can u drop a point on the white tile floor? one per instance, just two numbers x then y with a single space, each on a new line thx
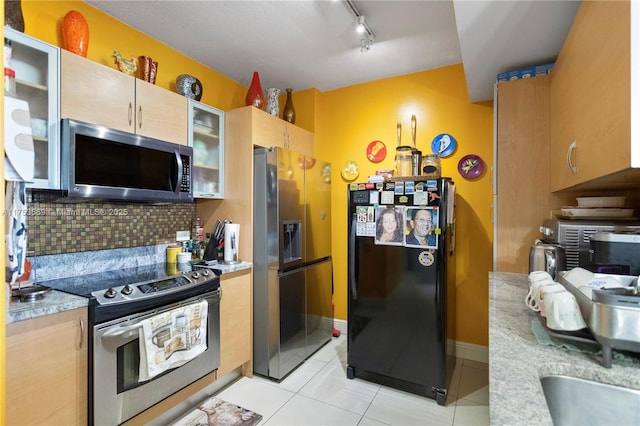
319 393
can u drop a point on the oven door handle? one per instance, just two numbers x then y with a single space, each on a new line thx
123 332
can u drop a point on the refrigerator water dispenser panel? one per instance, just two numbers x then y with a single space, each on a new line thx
291 241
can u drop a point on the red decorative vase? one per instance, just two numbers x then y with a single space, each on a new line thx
289 112
75 33
255 96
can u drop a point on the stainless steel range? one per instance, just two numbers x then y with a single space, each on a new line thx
147 335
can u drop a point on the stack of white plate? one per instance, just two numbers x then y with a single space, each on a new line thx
598 207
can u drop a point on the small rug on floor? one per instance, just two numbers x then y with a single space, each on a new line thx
217 412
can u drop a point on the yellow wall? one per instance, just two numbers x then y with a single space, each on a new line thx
3 253
43 20
344 121
349 119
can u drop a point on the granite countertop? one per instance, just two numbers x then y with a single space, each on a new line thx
222 268
517 360
58 301
52 303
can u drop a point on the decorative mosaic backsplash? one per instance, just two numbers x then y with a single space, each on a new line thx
56 228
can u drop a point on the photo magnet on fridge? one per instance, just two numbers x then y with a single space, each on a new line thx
420 223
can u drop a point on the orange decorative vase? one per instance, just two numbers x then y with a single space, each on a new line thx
75 33
255 96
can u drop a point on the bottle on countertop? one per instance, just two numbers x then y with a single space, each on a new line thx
197 230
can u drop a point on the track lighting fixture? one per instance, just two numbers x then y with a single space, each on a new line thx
366 33
360 27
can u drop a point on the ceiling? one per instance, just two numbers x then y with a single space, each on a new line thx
306 44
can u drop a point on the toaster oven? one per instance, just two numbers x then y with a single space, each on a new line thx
574 235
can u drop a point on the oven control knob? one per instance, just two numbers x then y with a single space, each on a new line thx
205 273
126 290
110 293
195 275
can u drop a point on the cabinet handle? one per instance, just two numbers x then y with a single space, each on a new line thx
130 114
570 164
81 332
140 117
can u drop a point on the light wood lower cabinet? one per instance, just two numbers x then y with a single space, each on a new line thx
236 322
46 360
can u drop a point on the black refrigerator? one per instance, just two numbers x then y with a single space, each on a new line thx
400 236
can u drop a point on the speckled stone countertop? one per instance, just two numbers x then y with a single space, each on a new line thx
53 302
517 360
227 269
75 264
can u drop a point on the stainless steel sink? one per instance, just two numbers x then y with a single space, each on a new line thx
581 402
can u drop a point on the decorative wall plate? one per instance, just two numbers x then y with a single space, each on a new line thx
350 171
443 145
470 166
376 151
326 173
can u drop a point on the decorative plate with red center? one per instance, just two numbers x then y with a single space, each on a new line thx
376 151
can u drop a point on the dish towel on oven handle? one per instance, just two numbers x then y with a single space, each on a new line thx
171 339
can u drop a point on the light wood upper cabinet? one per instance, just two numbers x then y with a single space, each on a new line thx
590 97
273 131
236 322
47 363
300 140
523 199
101 95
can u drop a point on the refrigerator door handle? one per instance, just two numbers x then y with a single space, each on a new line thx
352 257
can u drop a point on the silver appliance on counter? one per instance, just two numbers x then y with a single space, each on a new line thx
574 236
292 268
616 253
119 301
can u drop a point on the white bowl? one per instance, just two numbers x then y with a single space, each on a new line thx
601 201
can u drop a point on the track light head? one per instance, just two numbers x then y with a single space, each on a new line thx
361 27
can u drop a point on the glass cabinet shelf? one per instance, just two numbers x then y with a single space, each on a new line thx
206 137
36 65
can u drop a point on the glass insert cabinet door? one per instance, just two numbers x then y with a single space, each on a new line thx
36 65
206 137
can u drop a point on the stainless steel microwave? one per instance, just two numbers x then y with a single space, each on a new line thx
109 164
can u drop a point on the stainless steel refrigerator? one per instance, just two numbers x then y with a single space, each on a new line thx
292 269
399 242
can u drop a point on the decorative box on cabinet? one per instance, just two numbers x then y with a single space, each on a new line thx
101 95
590 98
206 137
47 370
36 66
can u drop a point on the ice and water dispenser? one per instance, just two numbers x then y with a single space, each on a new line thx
291 241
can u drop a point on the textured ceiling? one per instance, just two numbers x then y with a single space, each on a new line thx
312 44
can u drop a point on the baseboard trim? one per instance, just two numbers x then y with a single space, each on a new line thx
468 351
464 350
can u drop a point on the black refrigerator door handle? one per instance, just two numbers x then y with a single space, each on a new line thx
352 257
